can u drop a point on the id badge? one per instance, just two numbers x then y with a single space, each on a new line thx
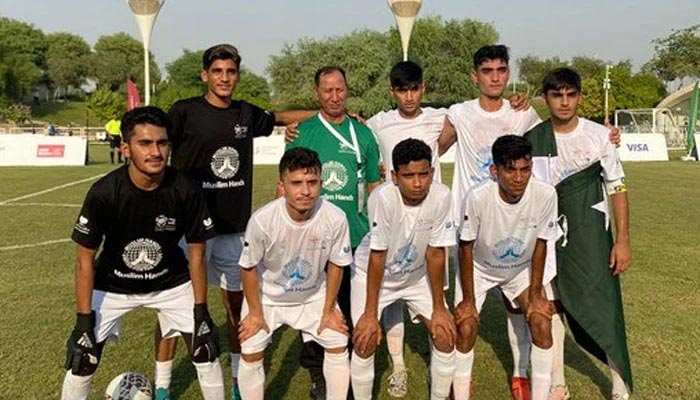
360 192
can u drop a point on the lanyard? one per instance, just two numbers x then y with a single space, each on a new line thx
354 146
356 149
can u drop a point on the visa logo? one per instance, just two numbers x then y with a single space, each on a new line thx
638 147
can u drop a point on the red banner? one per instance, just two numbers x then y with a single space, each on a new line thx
133 99
50 150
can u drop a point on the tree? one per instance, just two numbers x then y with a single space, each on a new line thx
443 48
67 60
16 113
118 57
18 75
533 69
677 56
104 102
185 70
22 38
629 90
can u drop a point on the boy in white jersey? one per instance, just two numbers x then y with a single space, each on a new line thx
503 243
574 154
288 245
402 259
477 124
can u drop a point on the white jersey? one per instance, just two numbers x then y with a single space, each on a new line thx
405 232
583 147
476 131
505 234
390 128
291 256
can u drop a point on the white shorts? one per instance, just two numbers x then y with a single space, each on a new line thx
417 298
223 253
511 288
303 317
174 307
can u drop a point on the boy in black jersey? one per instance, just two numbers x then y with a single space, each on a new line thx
212 140
141 263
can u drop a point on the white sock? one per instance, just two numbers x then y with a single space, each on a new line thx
558 336
163 374
235 360
541 372
362 376
618 384
251 380
76 387
463 374
442 369
394 327
519 338
336 371
211 379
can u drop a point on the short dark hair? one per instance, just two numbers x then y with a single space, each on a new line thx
406 75
328 69
299 158
491 52
510 148
561 78
144 115
220 52
410 150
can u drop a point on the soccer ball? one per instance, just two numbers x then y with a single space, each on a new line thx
129 386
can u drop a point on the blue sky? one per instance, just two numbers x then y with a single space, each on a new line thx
611 30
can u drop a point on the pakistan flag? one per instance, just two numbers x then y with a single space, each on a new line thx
589 291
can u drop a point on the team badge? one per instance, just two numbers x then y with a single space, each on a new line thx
225 162
296 273
142 255
240 132
164 223
334 176
510 249
403 259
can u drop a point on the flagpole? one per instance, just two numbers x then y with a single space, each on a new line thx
145 12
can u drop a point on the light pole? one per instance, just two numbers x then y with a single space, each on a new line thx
405 12
606 87
146 12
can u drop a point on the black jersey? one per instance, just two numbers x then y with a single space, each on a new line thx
215 147
141 231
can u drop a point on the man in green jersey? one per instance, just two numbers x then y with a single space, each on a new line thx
350 159
114 135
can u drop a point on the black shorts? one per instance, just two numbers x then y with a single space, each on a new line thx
114 141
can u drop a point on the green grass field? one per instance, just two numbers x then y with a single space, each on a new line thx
36 298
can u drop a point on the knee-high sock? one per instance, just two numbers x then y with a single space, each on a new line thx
558 336
362 376
463 374
442 370
76 387
336 371
163 374
251 380
541 372
618 384
394 327
519 338
211 379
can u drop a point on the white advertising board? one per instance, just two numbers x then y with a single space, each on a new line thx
268 150
40 150
643 147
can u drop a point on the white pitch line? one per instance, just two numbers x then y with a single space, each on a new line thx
65 185
25 246
40 205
